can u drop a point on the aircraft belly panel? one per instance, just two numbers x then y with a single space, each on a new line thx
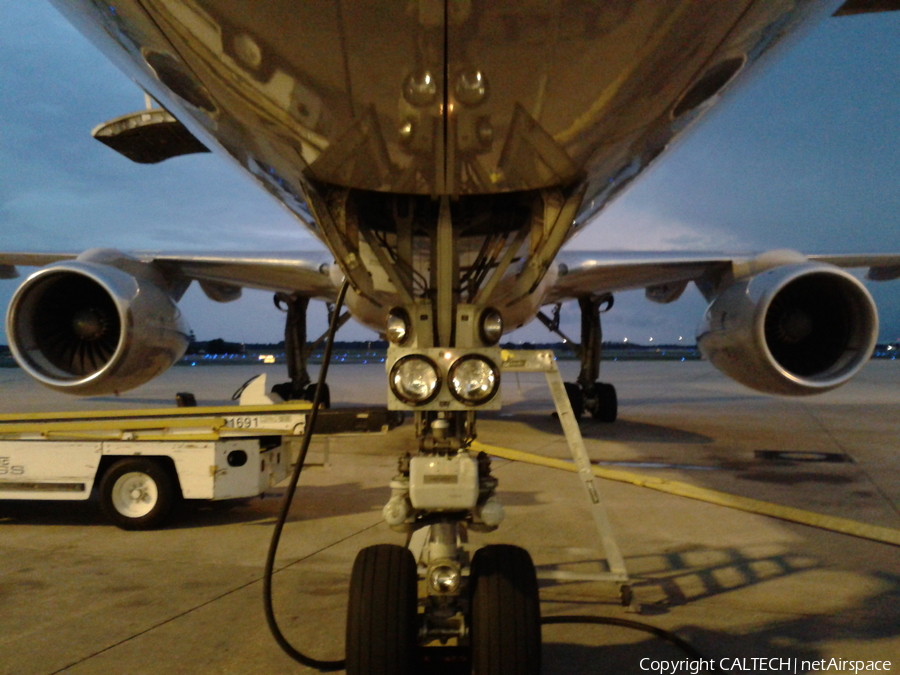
439 98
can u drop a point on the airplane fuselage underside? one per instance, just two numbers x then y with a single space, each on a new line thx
360 116
444 151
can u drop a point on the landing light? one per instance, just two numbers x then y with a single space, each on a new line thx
415 379
474 380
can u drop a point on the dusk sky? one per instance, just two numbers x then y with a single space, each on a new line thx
805 156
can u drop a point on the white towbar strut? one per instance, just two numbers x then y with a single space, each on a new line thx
544 361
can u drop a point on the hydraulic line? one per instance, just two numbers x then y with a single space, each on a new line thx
289 649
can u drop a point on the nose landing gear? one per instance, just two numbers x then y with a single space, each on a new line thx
480 617
486 614
492 615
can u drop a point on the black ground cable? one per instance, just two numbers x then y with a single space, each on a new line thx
290 650
668 636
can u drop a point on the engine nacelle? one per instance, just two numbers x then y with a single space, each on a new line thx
90 329
795 329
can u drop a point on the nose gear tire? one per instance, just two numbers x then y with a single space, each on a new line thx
382 621
505 612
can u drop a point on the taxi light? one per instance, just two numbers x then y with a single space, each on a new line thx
397 328
443 579
491 326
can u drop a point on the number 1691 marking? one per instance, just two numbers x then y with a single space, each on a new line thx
243 422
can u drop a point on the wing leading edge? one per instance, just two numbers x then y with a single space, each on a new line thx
584 273
307 274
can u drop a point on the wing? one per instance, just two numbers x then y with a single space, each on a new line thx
8 261
664 275
867 7
303 273
218 273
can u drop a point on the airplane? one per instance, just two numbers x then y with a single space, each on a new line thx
444 152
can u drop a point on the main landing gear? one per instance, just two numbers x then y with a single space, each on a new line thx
587 394
297 351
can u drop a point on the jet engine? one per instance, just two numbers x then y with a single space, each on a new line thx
794 329
85 328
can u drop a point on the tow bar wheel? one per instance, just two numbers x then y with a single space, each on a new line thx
382 617
506 612
136 493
